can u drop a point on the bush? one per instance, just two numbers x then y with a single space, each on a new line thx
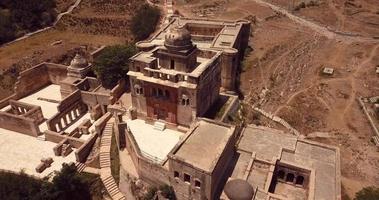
167 192
144 21
367 193
150 193
20 16
113 64
66 185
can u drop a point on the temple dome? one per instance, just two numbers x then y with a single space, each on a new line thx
178 38
78 62
238 189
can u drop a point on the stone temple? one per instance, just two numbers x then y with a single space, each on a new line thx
162 123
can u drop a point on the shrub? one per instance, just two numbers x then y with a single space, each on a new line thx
367 193
144 21
20 16
113 64
66 185
167 192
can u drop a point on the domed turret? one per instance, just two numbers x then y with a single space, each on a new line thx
78 62
178 38
238 189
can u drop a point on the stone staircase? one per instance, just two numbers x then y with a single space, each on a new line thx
161 126
105 163
80 166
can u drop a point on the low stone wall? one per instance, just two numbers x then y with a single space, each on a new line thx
26 84
100 123
82 153
26 110
147 170
119 89
231 109
69 111
19 124
83 148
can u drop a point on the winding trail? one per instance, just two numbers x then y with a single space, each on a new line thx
344 37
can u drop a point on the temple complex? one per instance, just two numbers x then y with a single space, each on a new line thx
158 122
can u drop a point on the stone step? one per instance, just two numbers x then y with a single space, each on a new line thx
107 180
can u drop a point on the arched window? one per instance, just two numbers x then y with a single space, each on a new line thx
138 89
290 177
299 180
185 100
281 174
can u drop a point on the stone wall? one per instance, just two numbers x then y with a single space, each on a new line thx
26 84
19 124
209 86
82 152
83 148
26 110
119 89
147 170
69 111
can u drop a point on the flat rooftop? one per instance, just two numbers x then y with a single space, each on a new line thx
154 144
22 152
205 144
225 39
270 145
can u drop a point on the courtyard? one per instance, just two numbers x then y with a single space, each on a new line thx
154 144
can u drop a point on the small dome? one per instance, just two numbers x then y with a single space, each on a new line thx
79 62
238 189
178 38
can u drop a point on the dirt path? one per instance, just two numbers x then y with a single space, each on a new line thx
322 30
353 94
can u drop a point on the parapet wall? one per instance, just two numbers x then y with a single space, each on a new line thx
19 124
69 111
27 110
83 148
147 170
26 84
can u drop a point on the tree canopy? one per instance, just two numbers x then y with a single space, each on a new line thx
67 184
112 64
20 16
144 21
367 193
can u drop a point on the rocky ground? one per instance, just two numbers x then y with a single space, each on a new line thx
284 72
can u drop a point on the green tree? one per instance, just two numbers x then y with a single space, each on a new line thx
113 64
67 184
6 28
144 21
367 193
20 16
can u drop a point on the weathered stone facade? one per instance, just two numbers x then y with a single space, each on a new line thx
176 82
